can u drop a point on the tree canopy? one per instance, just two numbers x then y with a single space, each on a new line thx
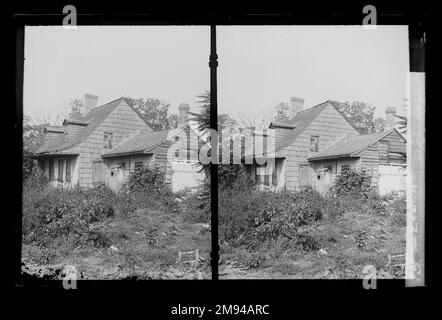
154 112
361 116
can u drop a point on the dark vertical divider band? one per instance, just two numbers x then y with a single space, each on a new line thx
19 74
213 63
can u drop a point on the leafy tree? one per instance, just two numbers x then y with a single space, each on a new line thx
202 118
75 107
33 137
282 112
361 116
33 134
154 112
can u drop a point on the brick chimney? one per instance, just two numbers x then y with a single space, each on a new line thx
296 105
89 102
390 115
184 116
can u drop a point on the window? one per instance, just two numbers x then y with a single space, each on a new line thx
177 138
107 143
42 166
68 170
274 177
314 143
112 173
345 167
51 170
138 165
266 179
60 171
177 153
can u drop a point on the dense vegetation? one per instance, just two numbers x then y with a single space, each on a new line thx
58 220
256 222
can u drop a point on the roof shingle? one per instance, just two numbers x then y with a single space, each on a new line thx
142 142
93 118
350 146
300 121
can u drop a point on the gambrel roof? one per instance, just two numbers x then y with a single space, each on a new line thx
352 146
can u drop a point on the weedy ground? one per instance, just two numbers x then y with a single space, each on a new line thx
144 244
348 235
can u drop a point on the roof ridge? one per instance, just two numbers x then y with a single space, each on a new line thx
314 106
103 105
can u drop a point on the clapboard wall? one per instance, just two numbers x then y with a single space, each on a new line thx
330 126
123 123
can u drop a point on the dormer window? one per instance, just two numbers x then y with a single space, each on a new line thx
314 143
107 143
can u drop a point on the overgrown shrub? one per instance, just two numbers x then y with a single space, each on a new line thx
145 188
351 182
233 176
252 217
396 208
50 212
197 206
28 164
144 178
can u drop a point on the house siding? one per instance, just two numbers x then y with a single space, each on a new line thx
164 153
330 126
124 124
370 157
335 166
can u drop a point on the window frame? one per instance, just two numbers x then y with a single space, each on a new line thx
314 146
60 170
51 174
68 170
108 140
345 167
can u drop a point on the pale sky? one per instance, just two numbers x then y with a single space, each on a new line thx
260 66
169 63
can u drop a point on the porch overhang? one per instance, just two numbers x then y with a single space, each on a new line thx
54 155
125 154
335 157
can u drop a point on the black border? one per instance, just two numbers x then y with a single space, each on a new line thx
168 293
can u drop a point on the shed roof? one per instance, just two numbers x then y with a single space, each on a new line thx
93 118
351 146
142 143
